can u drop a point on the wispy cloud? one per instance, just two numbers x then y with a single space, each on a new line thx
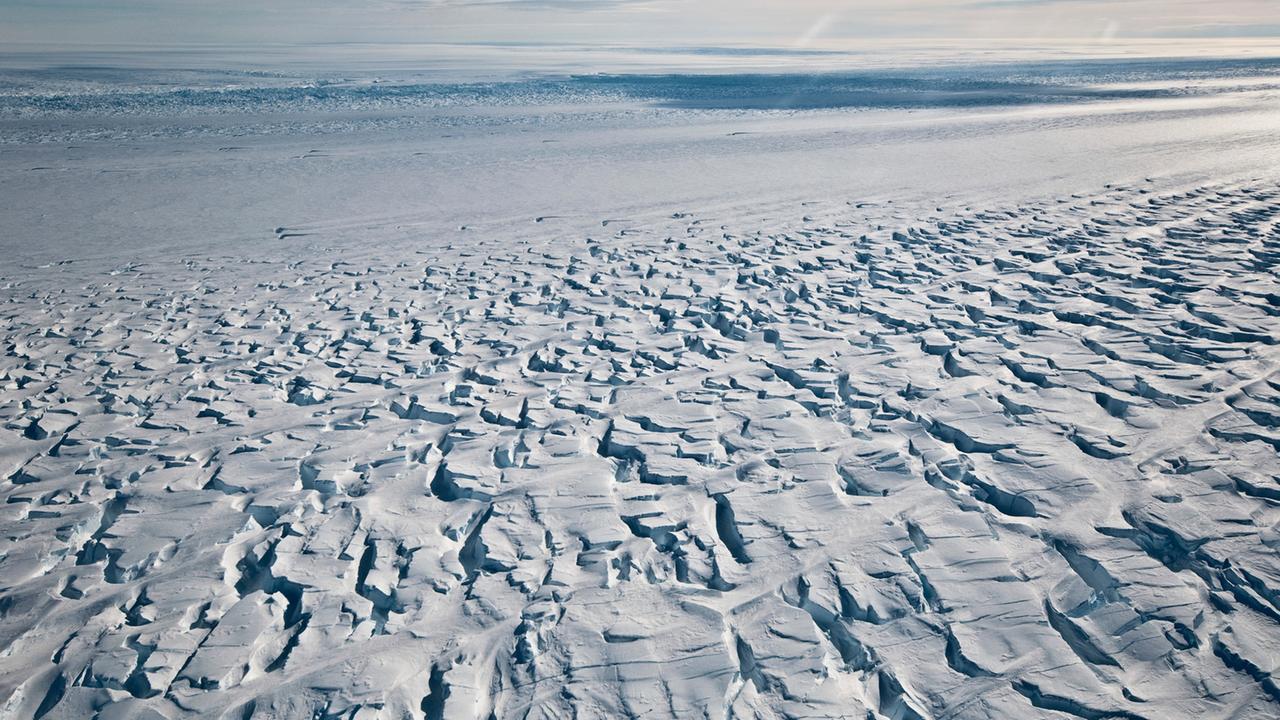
652 23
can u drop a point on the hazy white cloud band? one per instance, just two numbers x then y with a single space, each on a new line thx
786 23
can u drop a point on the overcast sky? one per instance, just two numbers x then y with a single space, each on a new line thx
785 23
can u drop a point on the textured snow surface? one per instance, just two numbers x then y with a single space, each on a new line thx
856 394
832 460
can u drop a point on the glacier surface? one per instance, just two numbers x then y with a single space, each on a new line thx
899 397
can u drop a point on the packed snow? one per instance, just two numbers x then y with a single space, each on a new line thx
897 397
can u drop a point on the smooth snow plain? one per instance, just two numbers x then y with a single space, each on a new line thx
896 394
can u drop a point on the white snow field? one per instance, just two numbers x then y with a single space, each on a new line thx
894 395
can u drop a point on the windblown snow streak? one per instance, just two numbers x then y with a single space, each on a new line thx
833 461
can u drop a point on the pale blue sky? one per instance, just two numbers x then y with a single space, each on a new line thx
785 23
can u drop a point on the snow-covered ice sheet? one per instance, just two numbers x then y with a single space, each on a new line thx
937 440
